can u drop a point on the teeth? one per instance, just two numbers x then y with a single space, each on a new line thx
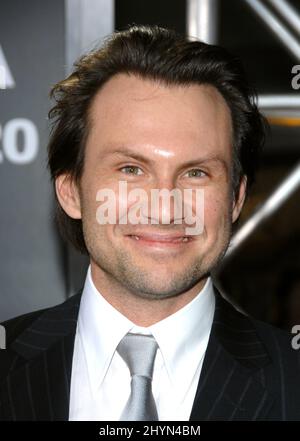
184 239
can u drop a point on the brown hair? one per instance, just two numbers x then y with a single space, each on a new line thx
159 54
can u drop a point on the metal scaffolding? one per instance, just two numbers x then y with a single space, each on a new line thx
202 24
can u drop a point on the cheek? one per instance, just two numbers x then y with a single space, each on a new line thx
98 232
97 192
217 212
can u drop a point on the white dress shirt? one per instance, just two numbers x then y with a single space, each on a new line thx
100 381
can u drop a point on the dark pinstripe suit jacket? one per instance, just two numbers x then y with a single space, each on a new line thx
250 371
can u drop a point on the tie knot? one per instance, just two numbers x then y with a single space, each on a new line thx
138 351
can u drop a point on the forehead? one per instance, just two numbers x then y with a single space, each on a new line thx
129 110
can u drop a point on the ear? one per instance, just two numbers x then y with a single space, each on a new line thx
239 199
68 195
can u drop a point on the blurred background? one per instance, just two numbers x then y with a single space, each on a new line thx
39 41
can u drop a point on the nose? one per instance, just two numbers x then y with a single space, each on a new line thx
164 201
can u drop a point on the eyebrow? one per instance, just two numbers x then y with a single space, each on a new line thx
126 152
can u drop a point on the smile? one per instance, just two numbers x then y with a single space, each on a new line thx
161 241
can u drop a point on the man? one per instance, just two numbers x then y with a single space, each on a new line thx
148 337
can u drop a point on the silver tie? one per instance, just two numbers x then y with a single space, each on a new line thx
138 352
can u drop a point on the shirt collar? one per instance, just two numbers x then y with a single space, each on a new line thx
182 337
101 328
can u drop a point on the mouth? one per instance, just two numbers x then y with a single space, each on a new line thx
159 240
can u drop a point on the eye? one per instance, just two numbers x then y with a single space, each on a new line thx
196 173
131 170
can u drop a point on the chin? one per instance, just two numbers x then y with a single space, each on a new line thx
157 294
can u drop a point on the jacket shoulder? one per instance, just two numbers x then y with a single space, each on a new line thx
278 341
19 328
15 326
237 330
12 329
269 334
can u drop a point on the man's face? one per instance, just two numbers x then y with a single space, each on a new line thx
155 136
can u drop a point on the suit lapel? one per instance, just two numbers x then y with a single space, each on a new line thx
38 387
229 386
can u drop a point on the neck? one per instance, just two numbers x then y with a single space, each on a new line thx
141 311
